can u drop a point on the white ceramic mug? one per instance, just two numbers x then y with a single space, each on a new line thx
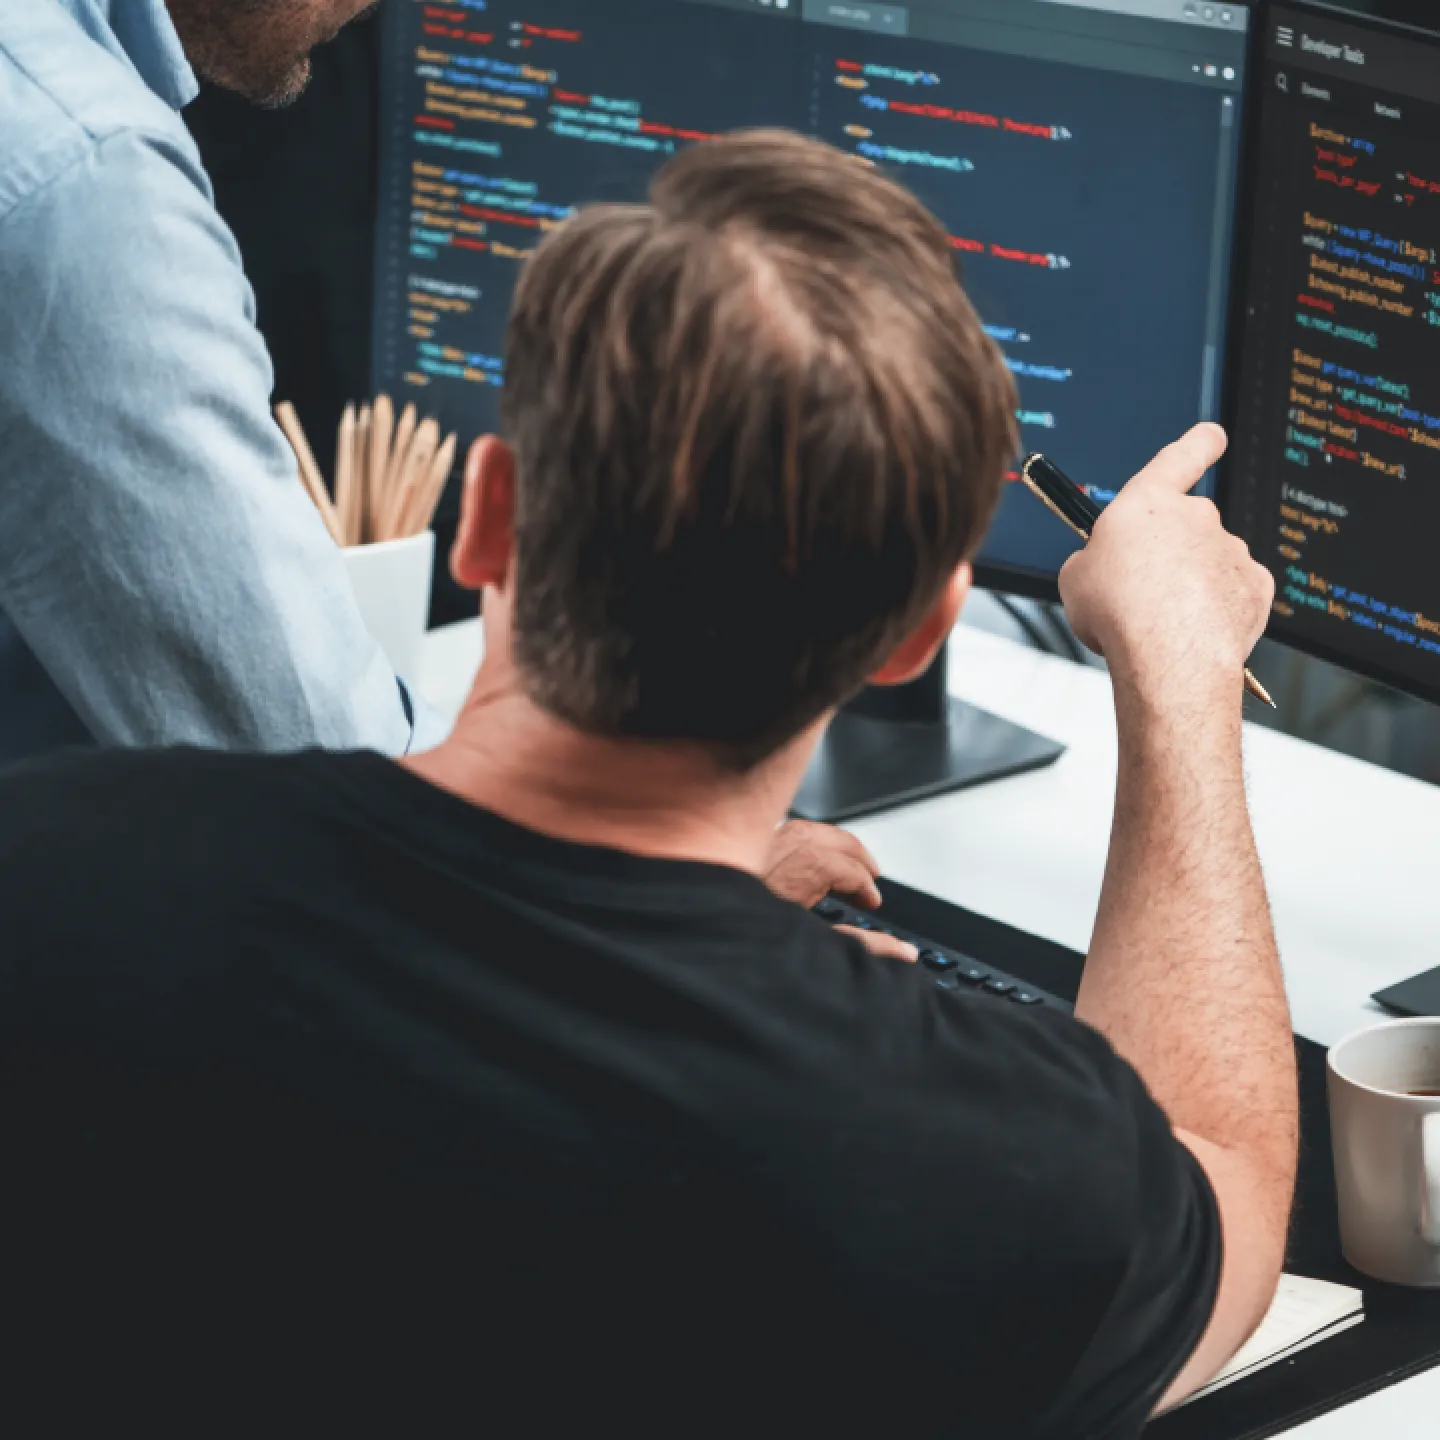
392 588
1387 1150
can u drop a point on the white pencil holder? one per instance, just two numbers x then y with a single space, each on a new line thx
392 588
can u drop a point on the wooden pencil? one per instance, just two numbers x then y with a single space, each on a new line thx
382 436
417 472
345 497
295 434
362 474
309 471
420 517
400 453
321 501
395 482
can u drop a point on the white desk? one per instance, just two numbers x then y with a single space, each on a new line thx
1351 855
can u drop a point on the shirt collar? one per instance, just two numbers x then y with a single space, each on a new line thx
142 32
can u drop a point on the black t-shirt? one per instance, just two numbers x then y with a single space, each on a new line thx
324 1091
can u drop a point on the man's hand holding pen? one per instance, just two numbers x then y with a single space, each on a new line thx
1171 599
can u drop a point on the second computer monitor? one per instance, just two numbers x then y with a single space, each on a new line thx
1337 433
1083 155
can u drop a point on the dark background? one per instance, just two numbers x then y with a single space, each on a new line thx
299 187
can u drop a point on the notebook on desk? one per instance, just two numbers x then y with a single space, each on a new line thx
1304 1313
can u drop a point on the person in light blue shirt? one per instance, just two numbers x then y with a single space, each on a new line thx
163 577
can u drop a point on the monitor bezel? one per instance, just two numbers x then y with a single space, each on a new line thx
1240 291
1040 585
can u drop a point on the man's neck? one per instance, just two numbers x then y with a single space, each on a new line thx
509 756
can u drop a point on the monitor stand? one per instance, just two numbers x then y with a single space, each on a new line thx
890 747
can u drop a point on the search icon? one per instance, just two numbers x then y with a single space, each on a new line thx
1283 81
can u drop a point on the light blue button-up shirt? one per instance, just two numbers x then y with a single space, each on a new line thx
163 577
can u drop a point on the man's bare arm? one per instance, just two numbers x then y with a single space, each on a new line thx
1184 976
1185 981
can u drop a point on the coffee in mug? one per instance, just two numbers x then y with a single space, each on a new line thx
1385 1122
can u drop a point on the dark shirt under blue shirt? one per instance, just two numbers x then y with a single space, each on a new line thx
328 1094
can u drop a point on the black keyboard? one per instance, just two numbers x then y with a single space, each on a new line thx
949 969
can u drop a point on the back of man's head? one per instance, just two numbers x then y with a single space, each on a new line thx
757 427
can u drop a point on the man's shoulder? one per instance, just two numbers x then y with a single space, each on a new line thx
63 97
990 1074
61 808
988 1070
986 1150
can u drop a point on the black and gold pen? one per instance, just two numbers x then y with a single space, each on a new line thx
1069 503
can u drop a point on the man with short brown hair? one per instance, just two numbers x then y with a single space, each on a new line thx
497 1083
692 581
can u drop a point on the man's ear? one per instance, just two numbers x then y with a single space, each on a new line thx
485 540
916 653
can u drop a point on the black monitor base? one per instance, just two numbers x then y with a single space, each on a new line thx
893 747
864 765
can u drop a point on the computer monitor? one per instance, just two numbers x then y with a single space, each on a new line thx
1084 156
1337 418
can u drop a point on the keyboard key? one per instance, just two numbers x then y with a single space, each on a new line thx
830 910
934 960
999 987
947 982
973 974
1026 997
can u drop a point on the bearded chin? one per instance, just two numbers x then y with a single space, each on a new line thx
240 45
271 87
284 92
